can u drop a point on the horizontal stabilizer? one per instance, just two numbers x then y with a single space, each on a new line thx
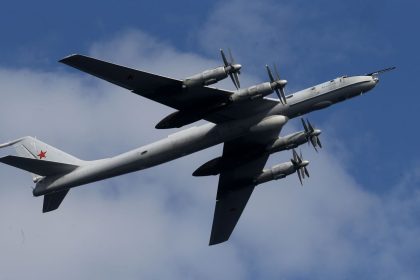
39 167
53 200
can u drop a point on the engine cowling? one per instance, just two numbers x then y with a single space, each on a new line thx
276 172
257 91
206 78
288 142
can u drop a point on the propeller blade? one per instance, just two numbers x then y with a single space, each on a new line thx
270 74
295 156
279 95
231 68
224 58
302 173
318 142
300 159
300 177
310 126
277 72
304 125
283 95
232 60
306 171
235 75
313 141
233 78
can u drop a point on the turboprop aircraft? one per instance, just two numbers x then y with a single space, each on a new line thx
246 121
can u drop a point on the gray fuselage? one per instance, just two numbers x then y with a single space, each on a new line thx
195 139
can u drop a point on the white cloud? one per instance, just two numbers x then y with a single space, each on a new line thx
156 223
296 35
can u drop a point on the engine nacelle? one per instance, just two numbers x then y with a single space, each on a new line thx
206 78
212 167
276 172
269 123
257 91
288 142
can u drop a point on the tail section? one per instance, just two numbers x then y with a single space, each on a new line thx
53 200
30 147
39 167
42 160
39 158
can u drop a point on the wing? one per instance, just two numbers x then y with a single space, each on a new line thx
236 183
161 89
168 91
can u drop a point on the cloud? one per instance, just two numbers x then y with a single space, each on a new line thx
156 223
300 37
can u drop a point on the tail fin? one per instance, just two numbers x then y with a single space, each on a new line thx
42 160
31 147
36 150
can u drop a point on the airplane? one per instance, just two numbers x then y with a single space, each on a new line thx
245 120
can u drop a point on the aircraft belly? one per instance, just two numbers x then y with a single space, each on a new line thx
173 147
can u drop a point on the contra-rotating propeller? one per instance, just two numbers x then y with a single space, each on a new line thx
278 84
300 166
232 69
312 134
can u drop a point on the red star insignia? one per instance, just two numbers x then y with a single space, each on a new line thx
42 154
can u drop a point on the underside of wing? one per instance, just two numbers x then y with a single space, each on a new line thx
39 167
227 213
191 103
242 161
161 89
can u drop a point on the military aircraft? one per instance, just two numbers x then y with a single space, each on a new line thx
246 121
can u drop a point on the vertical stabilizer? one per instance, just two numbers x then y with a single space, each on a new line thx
31 147
34 149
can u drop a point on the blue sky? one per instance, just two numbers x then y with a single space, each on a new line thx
358 213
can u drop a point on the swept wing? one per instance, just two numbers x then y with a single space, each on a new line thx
202 102
236 180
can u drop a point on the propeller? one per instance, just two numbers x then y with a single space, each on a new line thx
312 134
300 166
232 69
278 84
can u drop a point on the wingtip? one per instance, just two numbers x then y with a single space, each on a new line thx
217 240
211 243
68 58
